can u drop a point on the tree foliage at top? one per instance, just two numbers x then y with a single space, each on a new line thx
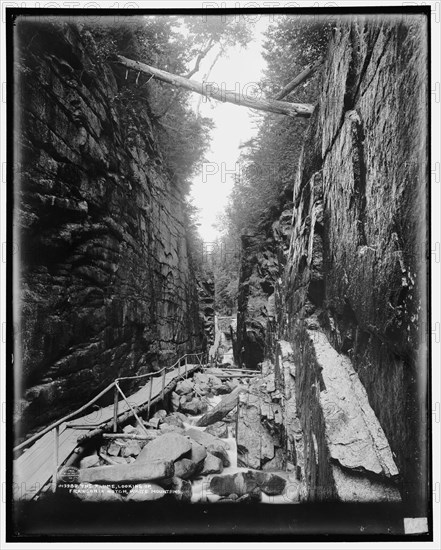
178 45
270 161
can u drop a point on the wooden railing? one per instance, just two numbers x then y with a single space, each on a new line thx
199 357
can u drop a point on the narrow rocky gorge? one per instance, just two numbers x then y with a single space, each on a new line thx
188 455
317 390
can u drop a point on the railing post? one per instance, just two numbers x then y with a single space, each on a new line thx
237 417
132 409
179 367
115 411
163 385
54 477
185 366
150 395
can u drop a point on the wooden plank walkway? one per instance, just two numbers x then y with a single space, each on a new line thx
34 468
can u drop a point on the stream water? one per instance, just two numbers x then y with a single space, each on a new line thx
201 486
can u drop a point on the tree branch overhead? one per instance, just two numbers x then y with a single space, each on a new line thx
211 90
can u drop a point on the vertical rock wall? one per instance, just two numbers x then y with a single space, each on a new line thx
262 263
352 298
206 300
107 286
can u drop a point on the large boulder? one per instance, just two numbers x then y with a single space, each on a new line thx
276 463
90 461
130 429
183 387
181 416
212 465
185 468
173 420
170 446
153 423
219 451
249 482
218 429
114 460
232 383
201 378
168 428
194 407
137 472
201 389
180 489
255 444
223 485
161 414
215 383
132 448
270 483
242 483
205 439
227 404
114 448
202 383
221 390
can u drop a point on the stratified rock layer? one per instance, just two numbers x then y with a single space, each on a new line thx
353 278
106 284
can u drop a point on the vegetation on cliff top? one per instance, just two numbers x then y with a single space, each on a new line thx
269 163
177 45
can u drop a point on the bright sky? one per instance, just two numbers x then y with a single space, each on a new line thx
233 125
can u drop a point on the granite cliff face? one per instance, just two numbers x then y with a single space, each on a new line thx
350 295
107 285
262 263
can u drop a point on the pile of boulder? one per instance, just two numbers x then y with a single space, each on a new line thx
247 486
147 463
192 396
176 455
166 466
260 428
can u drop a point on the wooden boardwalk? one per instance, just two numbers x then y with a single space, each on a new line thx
33 470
